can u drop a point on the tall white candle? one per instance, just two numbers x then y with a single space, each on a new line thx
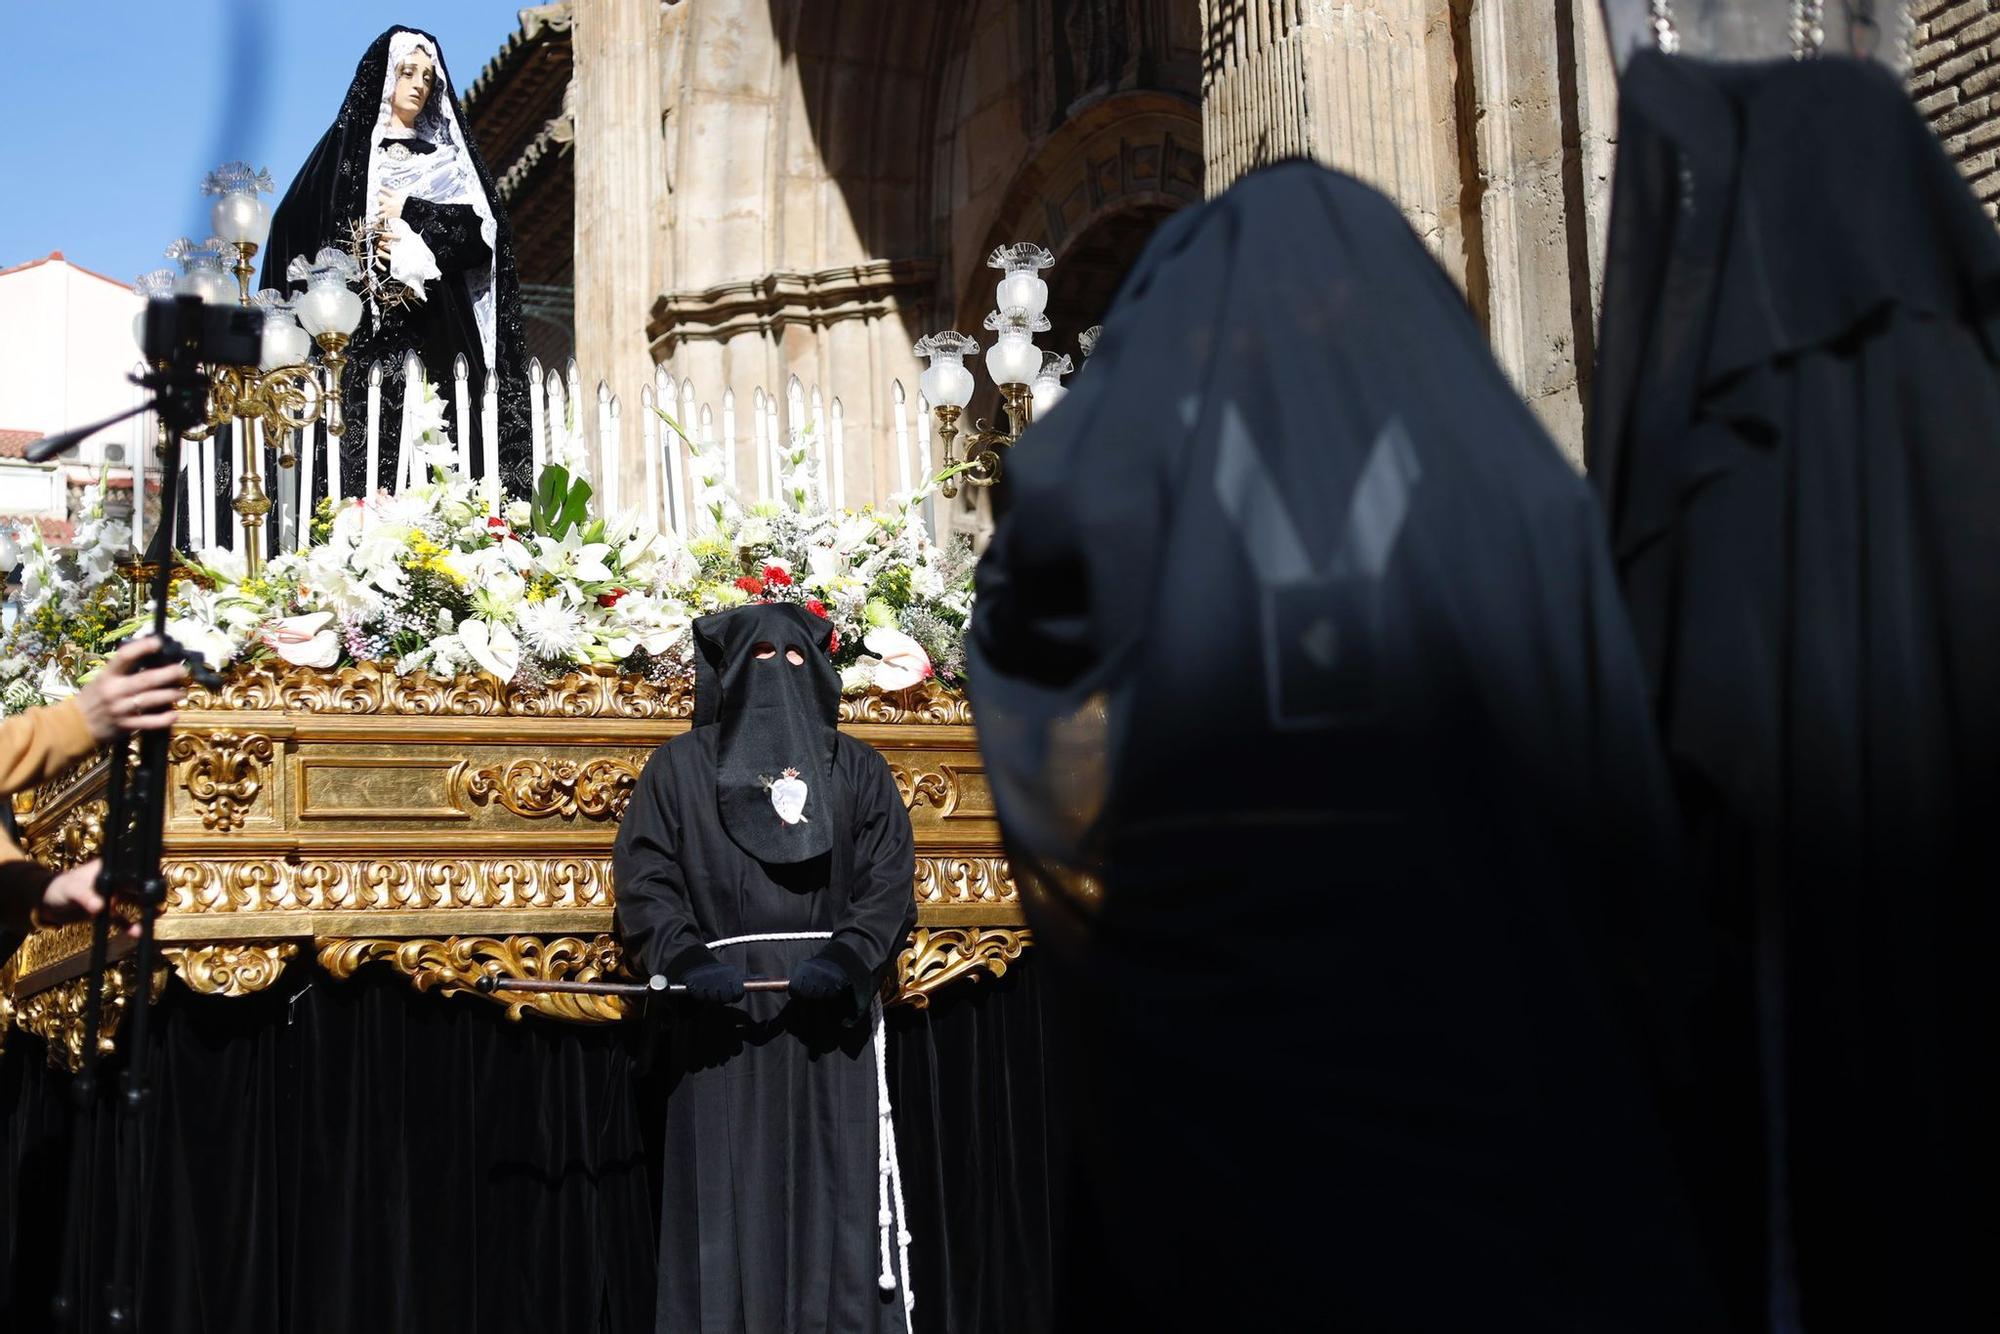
489 442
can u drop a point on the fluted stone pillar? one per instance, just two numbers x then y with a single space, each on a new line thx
620 215
1489 122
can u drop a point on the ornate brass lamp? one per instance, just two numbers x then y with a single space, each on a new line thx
1014 362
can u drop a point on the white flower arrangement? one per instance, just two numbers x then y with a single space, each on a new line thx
436 579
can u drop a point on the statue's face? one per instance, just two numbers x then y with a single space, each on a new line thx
416 76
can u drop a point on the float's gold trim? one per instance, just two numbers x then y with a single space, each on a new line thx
937 957
452 826
231 969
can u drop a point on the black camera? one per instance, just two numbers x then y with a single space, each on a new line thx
186 331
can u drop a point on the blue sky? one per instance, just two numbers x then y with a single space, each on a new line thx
115 109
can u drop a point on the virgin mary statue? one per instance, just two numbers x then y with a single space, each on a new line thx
397 179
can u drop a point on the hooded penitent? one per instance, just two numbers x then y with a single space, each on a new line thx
1322 753
457 244
775 749
762 842
1798 442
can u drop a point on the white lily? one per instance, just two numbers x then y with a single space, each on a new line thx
304 641
902 660
492 646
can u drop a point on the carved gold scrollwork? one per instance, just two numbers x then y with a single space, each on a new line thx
938 787
223 772
454 966
56 1014
533 789
232 969
926 702
72 840
375 688
938 955
961 880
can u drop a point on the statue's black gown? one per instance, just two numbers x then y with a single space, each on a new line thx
329 192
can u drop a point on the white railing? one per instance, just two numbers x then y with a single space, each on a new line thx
588 433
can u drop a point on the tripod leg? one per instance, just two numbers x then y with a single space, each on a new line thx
82 1225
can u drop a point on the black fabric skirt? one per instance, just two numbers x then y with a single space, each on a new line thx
337 1156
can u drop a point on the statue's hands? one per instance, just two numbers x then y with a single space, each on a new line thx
390 210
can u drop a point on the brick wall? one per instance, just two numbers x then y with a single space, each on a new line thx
1956 79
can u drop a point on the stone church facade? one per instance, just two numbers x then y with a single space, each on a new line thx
747 190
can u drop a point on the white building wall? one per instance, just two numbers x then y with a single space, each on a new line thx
65 351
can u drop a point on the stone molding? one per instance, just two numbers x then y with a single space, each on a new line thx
771 301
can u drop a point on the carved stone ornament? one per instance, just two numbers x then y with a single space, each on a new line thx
222 772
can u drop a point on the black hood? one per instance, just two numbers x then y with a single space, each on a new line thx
777 728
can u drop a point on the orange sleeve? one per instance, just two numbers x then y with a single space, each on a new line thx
36 744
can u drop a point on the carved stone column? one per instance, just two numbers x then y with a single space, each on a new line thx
1489 122
620 205
1363 86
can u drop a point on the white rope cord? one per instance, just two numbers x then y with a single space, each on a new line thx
889 1212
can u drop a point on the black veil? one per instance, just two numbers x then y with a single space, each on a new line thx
329 191
1322 752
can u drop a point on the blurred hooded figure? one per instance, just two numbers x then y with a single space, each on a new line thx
1797 440
1322 753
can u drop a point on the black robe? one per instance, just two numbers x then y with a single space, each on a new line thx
769 1200
1797 437
330 191
1322 753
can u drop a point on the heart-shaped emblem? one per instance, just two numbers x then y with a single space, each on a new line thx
788 798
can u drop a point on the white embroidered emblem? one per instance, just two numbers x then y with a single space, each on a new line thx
788 798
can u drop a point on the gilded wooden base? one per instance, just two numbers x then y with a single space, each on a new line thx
452 829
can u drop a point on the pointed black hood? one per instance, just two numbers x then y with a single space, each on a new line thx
774 754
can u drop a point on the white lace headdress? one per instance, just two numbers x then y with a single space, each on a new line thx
442 177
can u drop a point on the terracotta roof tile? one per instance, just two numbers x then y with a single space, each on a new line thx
14 444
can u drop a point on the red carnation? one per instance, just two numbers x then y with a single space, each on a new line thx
751 584
776 576
817 608
833 643
611 599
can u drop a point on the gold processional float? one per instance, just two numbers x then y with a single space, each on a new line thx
454 829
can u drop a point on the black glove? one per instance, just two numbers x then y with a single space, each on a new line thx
818 978
706 977
836 974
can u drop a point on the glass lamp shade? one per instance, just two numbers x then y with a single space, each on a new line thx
328 306
1021 288
241 218
1048 388
207 281
284 342
1014 358
947 383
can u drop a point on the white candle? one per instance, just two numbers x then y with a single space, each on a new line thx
461 397
649 434
489 442
308 448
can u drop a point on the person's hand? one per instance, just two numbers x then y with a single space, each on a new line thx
71 896
817 979
389 205
715 983
121 698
